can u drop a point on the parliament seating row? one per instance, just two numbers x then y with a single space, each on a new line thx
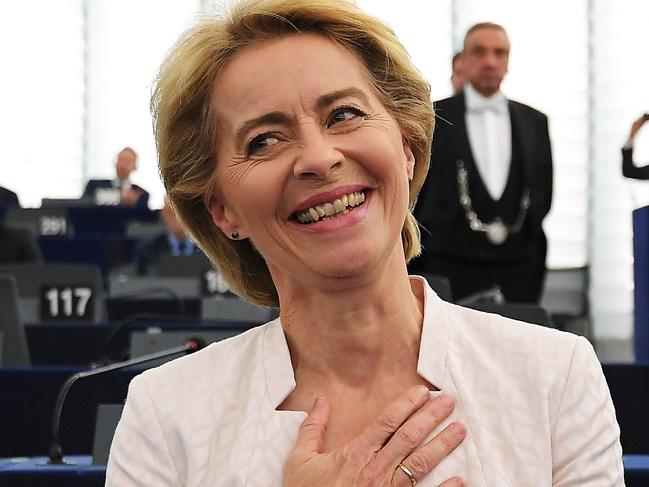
74 231
83 220
74 294
627 379
31 393
33 472
182 277
106 236
64 341
74 345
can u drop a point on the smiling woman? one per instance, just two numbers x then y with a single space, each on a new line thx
294 137
303 133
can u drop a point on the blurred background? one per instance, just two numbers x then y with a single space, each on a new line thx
77 78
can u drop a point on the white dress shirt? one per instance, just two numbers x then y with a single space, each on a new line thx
534 401
490 136
122 184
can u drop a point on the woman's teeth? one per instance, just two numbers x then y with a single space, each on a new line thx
340 206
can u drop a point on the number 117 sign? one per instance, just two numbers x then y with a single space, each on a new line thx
66 303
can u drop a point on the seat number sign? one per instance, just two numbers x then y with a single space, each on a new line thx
214 283
49 225
66 302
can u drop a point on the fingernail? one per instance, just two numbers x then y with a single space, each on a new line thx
458 429
422 391
447 401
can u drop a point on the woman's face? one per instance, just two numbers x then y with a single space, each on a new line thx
310 165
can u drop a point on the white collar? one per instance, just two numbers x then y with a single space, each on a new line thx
477 103
121 183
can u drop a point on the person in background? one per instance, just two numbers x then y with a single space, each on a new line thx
8 199
293 137
129 194
457 74
629 169
489 186
18 246
174 241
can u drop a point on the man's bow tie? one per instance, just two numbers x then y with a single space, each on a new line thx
496 104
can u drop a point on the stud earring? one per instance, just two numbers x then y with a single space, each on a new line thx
235 235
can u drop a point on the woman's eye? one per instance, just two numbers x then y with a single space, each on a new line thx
344 115
261 142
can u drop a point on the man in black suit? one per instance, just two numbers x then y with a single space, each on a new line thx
119 190
172 242
8 199
629 169
17 246
489 186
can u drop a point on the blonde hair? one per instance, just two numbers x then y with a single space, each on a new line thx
185 126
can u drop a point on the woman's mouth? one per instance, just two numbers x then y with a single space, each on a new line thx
333 209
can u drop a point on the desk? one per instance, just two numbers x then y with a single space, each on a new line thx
106 252
629 386
28 396
31 472
73 344
636 470
107 220
123 308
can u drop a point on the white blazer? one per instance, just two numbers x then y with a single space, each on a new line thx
534 400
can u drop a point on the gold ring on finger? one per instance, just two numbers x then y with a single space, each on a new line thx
408 473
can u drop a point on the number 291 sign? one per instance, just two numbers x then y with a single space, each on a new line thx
66 302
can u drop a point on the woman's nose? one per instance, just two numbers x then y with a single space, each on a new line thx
319 158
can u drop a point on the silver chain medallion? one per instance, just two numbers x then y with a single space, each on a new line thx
497 232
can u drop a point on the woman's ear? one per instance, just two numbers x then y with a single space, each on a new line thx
410 160
222 218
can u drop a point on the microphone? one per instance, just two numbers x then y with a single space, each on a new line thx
56 451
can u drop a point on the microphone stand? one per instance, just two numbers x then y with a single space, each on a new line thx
56 451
